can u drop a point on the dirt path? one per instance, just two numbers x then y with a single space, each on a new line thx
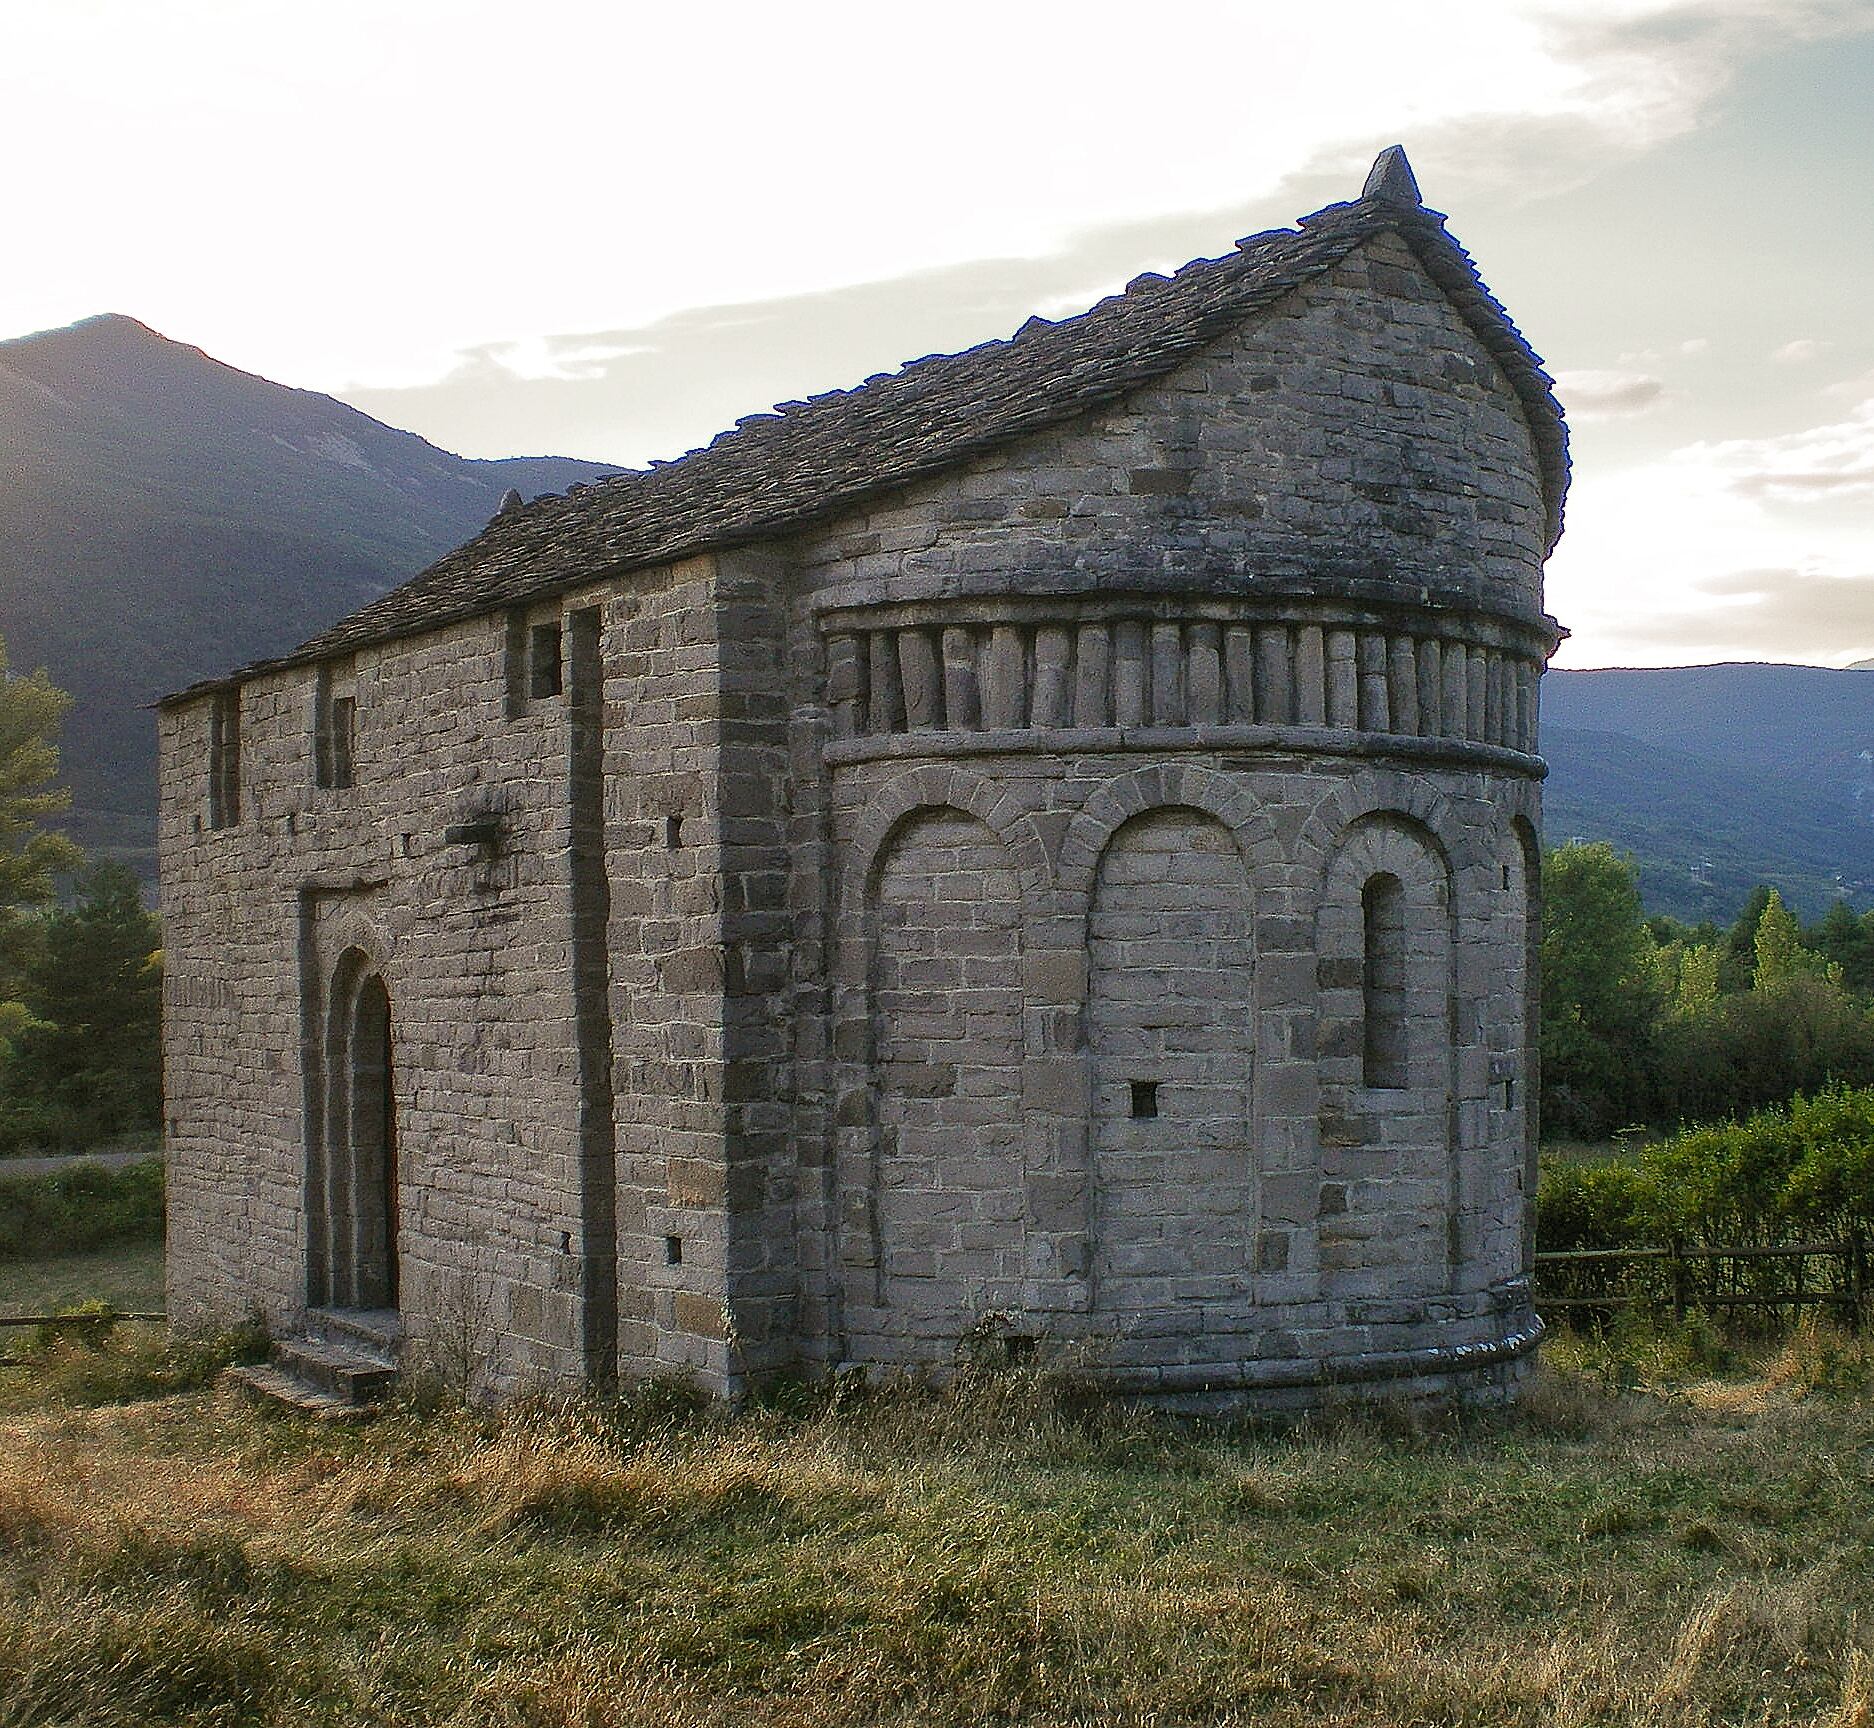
46 1166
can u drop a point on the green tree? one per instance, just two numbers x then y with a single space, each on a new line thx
30 854
1601 1003
1847 941
89 1065
1696 989
1777 946
1738 962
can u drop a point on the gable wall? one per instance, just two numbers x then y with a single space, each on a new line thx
1358 427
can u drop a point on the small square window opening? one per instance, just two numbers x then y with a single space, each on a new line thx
673 1250
1144 1098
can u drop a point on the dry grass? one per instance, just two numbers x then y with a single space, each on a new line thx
1692 1551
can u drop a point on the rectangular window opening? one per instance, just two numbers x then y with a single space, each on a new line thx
673 1250
673 832
544 674
1144 1099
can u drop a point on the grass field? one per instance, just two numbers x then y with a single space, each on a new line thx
128 1276
1645 1542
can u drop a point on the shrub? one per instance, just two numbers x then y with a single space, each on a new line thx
1804 1170
122 1363
84 1207
1608 1204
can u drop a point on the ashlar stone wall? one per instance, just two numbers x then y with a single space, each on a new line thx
954 921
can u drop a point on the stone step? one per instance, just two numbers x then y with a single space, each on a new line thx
376 1331
267 1384
352 1375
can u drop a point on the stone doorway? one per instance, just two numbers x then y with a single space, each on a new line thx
360 1186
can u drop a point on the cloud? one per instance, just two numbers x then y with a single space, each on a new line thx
1765 613
1593 395
1795 467
660 388
1794 353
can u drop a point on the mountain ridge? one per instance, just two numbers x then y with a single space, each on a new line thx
165 516
1718 777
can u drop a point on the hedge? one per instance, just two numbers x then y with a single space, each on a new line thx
86 1206
1803 1171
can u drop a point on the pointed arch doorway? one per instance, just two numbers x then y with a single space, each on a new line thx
359 1183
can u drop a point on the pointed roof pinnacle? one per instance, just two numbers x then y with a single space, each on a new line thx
1391 180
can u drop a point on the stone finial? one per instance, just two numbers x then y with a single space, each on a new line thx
1391 180
510 500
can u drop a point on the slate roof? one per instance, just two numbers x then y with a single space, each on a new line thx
776 473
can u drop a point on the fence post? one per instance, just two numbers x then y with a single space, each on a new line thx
1857 1274
1678 1281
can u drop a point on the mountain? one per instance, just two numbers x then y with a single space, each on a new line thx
1717 778
164 517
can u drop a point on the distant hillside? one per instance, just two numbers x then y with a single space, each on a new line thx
1717 778
164 517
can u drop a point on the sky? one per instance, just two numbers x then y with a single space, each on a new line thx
610 230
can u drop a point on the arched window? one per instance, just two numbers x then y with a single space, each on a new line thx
1383 980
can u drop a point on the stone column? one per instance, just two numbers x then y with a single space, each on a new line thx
1403 685
962 700
1275 690
1093 672
1239 677
1204 675
1052 698
1005 677
1375 699
845 684
1310 675
923 680
1431 687
1343 680
1457 695
1167 675
887 704
1129 673
1525 705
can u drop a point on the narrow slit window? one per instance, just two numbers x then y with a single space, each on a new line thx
224 759
344 731
544 677
1383 980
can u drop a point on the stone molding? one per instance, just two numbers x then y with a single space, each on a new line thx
1150 670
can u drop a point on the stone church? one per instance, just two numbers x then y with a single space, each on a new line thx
1036 853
